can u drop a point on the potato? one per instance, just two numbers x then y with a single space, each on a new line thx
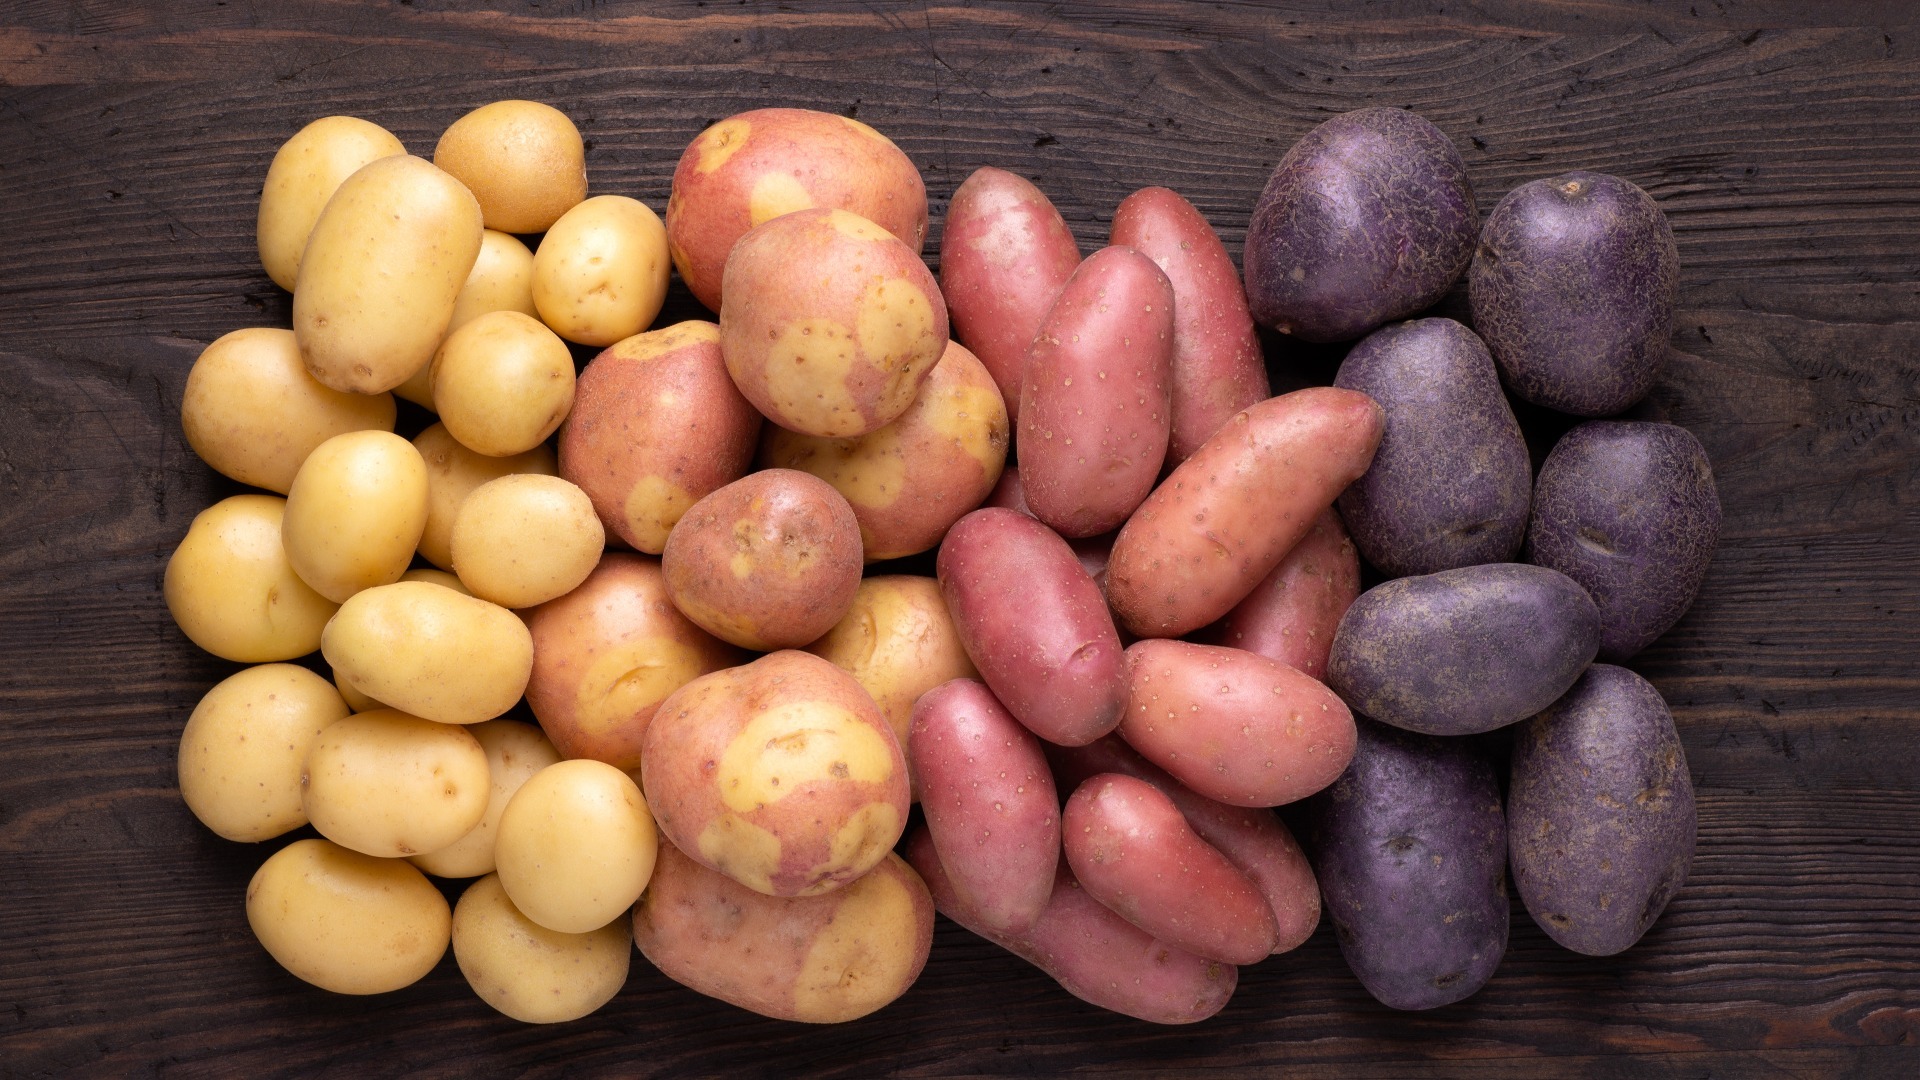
1410 847
1009 493
1464 651
601 271
515 751
990 803
347 922
501 280
524 161
812 959
1230 513
1096 399
232 591
898 642
531 973
436 577
523 540
1572 287
429 651
1450 483
252 412
1035 625
306 171
657 425
606 654
377 283
1629 510
453 473
771 561
1005 253
835 323
391 785
576 846
755 166
781 774
355 513
1292 614
1218 368
243 747
502 383
351 694
1367 219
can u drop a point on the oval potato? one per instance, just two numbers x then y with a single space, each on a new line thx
531 973
244 748
347 922
427 650
576 846
355 513
391 785
523 540
1291 616
899 642
502 383
501 280
524 161
515 751
306 171
601 271
231 590
455 472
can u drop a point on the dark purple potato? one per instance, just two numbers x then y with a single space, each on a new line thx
1411 851
1450 483
1601 812
1463 651
1368 218
1572 288
1627 509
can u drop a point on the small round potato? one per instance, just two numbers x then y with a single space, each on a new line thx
898 642
523 540
453 472
355 513
347 922
430 651
515 751
523 160
306 171
503 383
501 280
391 785
232 591
357 699
531 973
243 749
576 846
601 272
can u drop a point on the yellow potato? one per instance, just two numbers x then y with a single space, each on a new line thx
502 383
523 160
388 784
380 274
352 695
347 922
453 472
232 591
355 513
306 171
524 540
576 846
531 973
428 650
898 642
242 751
357 699
515 751
437 577
601 272
501 280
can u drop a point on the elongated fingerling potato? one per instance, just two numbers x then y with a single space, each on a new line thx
1292 614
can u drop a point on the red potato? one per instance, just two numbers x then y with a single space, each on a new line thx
1004 256
1009 493
990 802
1092 551
1096 398
1292 614
1035 625
1218 368
1231 512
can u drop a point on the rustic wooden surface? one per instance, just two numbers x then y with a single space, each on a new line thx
1780 138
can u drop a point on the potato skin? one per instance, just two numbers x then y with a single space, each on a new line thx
1230 513
455 472
1218 368
1451 481
531 973
1464 651
1600 812
1096 397
899 642
1410 848
243 747
502 383
232 591
388 784
428 650
576 846
1629 510
306 171
355 513
523 160
524 540
1292 614
601 271
347 922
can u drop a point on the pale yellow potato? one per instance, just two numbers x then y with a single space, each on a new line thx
523 160
377 283
243 749
428 650
306 171
576 846
437 577
502 383
232 591
355 513
531 973
600 273
898 642
453 472
347 922
515 751
389 784
501 280
356 700
524 540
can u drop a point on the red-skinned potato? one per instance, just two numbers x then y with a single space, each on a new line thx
1292 614
1009 493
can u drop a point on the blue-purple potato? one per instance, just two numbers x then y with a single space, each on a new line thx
1629 510
1450 482
1572 288
1463 651
1367 219
1411 851
1601 812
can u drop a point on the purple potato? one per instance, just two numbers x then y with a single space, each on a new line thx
1368 218
1463 651
1411 851
1572 287
1450 483
1601 812
1628 509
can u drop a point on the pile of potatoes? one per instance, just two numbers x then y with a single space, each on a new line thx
1133 645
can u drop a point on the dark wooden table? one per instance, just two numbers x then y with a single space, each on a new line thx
1782 139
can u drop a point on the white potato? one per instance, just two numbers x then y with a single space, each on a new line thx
503 383
305 173
430 651
453 472
523 160
515 751
501 280
524 540
388 784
